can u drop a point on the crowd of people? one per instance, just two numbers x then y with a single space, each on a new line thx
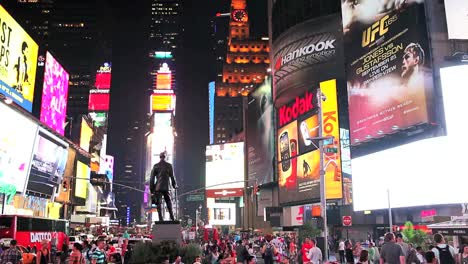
231 249
84 252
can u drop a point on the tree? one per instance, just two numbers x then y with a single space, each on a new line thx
415 237
156 253
307 230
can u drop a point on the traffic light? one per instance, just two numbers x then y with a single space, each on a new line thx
64 186
98 179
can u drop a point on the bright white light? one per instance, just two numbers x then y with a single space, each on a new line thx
222 214
225 163
425 172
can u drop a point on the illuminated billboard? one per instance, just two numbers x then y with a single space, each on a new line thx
225 166
98 100
48 164
222 214
306 54
456 13
17 137
211 109
85 135
389 71
260 135
18 62
54 95
298 156
103 77
162 137
164 78
416 172
82 180
163 101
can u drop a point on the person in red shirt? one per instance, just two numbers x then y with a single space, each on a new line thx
306 246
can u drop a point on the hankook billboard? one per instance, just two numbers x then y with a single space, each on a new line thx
305 55
388 66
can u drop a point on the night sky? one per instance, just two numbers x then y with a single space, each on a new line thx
195 69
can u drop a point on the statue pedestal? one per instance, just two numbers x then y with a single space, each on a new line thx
167 231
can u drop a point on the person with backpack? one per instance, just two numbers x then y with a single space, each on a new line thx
268 251
444 253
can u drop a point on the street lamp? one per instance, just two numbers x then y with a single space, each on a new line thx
323 198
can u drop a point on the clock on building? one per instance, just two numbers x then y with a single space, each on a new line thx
239 15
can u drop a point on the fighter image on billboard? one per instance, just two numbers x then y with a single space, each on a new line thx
389 76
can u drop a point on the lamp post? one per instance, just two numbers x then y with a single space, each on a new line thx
323 198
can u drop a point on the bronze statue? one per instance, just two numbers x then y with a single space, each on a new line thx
163 172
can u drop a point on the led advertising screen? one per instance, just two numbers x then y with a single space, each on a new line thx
388 66
346 166
54 95
48 163
222 214
298 156
260 135
164 78
416 173
456 13
82 179
163 102
162 138
306 54
85 135
103 77
18 62
17 137
211 109
98 100
225 166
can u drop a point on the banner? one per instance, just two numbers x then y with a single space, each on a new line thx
388 66
260 135
18 62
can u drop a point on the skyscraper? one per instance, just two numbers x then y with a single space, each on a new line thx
245 66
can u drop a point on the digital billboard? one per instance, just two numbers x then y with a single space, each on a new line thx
211 109
306 54
417 173
82 180
260 135
48 164
225 166
222 214
162 137
163 102
17 137
98 100
103 77
388 65
298 156
65 187
18 62
346 166
456 13
164 78
85 135
54 95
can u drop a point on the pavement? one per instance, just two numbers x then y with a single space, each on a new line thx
331 258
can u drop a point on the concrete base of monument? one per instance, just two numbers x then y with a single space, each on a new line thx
167 231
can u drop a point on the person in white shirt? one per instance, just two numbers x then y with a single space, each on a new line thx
341 251
441 246
315 254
